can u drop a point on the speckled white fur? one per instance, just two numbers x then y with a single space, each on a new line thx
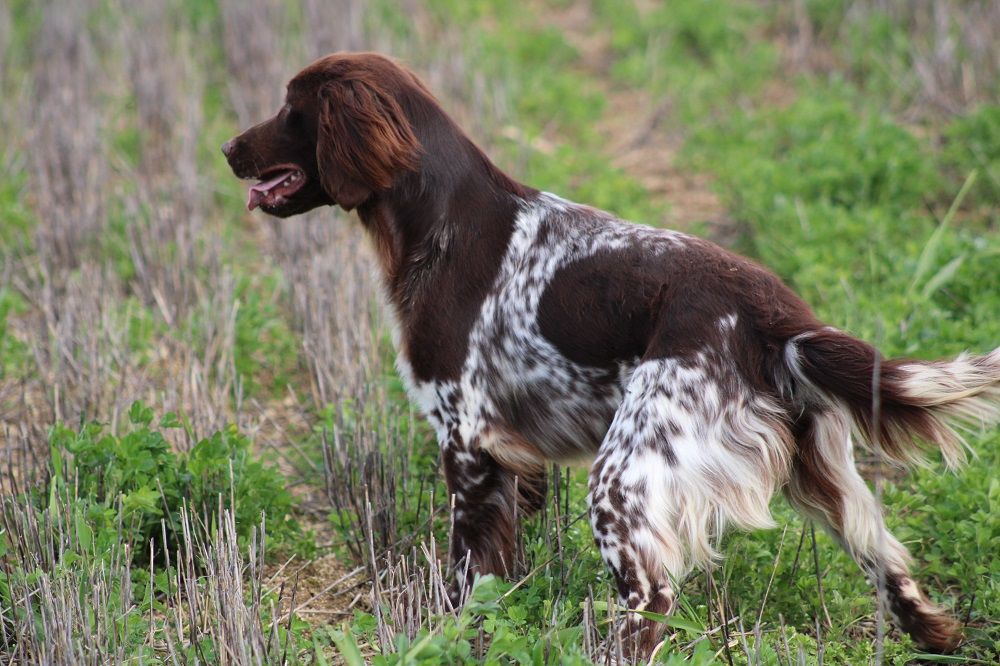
506 336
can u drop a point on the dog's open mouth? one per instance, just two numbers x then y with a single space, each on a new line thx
276 186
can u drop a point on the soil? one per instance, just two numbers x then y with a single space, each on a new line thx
321 591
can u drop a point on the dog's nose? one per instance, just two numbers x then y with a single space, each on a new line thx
228 146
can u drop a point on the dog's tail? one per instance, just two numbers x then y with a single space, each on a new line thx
899 407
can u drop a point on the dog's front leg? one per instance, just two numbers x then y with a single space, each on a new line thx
488 499
484 511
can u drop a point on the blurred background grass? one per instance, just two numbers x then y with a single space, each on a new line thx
259 491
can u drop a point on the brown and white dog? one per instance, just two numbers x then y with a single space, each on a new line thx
534 329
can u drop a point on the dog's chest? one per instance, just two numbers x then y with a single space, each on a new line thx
517 390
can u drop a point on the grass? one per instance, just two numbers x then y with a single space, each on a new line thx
198 405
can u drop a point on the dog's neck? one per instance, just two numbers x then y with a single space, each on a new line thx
457 209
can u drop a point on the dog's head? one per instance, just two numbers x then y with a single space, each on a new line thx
341 136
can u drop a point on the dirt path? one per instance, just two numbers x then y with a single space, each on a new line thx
641 137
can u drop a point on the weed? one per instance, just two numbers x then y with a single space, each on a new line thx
137 475
13 352
973 143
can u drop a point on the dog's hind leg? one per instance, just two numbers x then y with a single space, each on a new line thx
826 486
643 552
687 453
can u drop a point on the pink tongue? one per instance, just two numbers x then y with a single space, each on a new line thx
260 191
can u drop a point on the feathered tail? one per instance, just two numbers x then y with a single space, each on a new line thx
919 404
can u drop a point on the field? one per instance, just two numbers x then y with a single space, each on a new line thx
206 455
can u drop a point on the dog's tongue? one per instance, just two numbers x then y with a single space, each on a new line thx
260 191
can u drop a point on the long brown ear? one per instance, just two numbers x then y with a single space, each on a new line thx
364 141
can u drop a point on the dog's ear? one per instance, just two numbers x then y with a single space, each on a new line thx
364 141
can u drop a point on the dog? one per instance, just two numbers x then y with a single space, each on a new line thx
533 329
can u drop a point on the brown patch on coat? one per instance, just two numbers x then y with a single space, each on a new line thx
620 305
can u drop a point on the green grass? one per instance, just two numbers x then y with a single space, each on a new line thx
13 352
692 51
15 217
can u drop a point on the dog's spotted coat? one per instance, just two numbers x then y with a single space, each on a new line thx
532 329
660 429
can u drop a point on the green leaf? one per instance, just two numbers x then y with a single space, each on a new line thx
347 647
84 533
57 462
943 276
170 420
947 658
929 253
143 499
685 624
517 614
418 647
139 414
